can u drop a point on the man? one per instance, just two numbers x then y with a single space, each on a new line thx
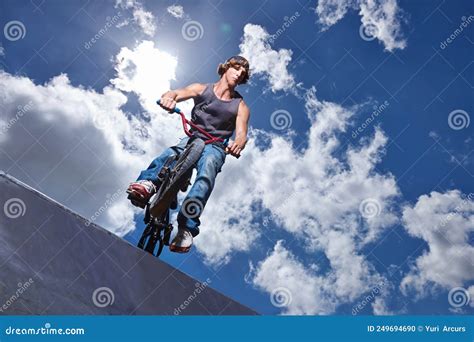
218 109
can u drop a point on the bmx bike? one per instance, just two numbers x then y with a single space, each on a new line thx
174 175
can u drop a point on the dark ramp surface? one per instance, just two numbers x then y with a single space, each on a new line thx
52 263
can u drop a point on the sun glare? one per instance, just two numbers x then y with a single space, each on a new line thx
146 71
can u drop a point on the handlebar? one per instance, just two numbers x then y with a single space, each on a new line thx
185 121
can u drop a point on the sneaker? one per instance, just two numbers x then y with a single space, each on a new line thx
140 192
182 242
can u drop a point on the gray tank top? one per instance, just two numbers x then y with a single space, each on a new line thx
215 116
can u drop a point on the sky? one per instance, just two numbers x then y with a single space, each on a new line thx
354 194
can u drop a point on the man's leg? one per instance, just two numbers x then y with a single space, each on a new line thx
208 166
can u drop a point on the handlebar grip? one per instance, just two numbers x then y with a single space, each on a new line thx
175 110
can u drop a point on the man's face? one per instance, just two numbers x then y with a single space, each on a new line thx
235 74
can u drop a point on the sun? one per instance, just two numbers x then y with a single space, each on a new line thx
146 71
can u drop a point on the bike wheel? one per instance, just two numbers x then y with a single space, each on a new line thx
154 233
185 163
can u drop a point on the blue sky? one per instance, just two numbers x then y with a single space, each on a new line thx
327 74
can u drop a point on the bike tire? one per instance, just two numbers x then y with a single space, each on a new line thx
186 161
154 233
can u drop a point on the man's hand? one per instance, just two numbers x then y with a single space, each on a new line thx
235 147
168 101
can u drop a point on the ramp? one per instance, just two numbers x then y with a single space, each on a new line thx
53 263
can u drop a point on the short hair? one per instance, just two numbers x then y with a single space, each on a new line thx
232 61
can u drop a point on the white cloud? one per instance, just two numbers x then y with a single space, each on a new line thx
70 148
331 11
322 177
2 51
306 291
264 61
444 221
89 149
385 15
382 17
176 11
144 19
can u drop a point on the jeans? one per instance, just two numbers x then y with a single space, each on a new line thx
208 166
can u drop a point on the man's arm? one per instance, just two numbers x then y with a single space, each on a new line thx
241 128
170 98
